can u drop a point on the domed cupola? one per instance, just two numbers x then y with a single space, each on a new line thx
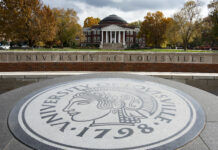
113 19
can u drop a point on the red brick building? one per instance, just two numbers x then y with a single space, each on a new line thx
113 33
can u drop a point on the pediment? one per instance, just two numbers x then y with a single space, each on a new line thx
113 28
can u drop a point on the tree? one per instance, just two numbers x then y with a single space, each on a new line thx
1 21
135 24
48 26
153 28
68 29
90 21
26 20
213 7
186 20
172 35
204 34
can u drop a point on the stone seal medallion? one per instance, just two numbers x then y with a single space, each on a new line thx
107 113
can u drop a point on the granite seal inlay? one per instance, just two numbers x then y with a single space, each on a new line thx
107 113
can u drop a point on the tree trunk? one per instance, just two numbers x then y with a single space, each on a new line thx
185 45
62 45
31 43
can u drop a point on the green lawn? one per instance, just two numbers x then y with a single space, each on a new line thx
102 50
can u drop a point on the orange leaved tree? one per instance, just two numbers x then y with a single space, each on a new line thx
153 28
26 20
90 21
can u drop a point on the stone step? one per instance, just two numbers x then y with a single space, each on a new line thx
113 46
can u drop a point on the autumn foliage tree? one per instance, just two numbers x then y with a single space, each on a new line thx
172 34
48 26
203 35
153 28
90 21
136 24
187 21
68 29
27 20
213 7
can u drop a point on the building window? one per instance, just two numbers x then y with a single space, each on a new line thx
131 39
98 39
137 40
127 33
131 32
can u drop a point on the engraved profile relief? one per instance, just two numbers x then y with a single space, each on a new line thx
107 106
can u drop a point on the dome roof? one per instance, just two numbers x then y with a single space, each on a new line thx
113 19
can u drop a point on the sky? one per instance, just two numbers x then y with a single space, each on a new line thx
129 10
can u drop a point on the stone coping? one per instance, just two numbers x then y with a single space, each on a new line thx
130 51
69 73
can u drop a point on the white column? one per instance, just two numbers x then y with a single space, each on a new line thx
115 37
106 36
110 36
102 37
119 37
124 37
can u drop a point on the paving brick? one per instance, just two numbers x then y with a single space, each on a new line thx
30 80
210 136
35 76
213 83
5 135
13 76
10 84
203 77
180 80
19 146
182 77
197 82
197 144
163 76
54 76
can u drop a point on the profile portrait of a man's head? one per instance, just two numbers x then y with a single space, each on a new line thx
98 106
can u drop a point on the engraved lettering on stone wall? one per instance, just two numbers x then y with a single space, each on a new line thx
108 57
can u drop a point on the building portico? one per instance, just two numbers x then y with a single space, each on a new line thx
113 34
113 37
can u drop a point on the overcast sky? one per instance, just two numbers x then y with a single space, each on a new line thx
130 10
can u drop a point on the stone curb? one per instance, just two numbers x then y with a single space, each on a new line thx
166 75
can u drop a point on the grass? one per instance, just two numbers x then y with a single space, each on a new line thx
129 50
